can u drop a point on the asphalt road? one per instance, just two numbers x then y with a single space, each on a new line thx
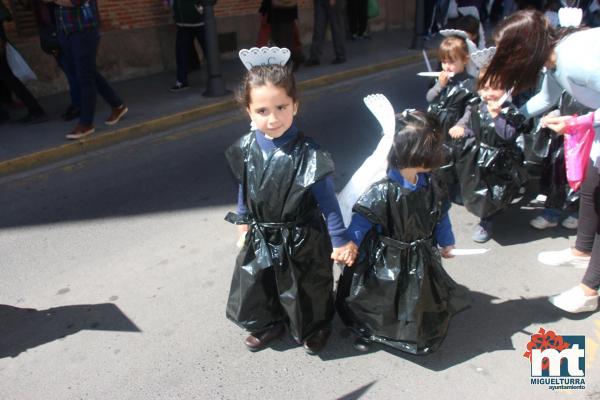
115 269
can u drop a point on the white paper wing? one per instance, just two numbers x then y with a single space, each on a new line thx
375 166
383 110
373 169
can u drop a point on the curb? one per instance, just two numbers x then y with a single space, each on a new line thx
95 142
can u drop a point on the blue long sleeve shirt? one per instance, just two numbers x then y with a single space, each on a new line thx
359 226
323 190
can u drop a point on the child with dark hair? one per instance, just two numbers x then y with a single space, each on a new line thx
471 25
491 172
448 99
398 294
286 208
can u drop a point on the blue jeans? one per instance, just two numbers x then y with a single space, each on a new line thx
79 49
74 90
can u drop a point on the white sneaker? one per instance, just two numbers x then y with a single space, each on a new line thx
540 222
563 258
569 222
575 301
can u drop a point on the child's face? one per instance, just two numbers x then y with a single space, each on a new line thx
271 109
456 66
489 94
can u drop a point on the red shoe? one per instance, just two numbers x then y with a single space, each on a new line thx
80 131
116 114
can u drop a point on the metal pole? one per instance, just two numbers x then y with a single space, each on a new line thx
417 42
215 85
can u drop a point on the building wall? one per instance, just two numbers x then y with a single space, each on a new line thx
138 35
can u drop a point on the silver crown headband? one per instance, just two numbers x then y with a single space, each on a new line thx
482 58
264 56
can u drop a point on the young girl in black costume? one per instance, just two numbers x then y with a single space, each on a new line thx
448 99
398 294
490 170
286 206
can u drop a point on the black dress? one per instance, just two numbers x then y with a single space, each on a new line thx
283 273
398 293
491 170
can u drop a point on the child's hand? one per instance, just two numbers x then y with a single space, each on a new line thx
446 252
444 77
242 230
494 108
456 132
345 254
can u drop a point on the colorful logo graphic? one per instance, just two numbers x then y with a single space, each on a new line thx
557 361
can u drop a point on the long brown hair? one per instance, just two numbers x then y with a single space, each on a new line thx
524 43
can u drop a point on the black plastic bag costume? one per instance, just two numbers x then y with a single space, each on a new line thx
283 273
491 170
449 107
553 181
397 292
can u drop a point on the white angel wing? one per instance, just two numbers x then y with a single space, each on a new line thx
375 166
383 110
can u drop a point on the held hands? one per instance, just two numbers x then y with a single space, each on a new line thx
345 254
242 231
456 132
446 252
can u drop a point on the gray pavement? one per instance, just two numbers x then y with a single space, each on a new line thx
115 268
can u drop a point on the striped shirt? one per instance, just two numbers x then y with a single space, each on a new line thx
82 16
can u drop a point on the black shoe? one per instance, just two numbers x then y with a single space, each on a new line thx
317 341
31 119
311 62
362 345
338 60
71 113
258 341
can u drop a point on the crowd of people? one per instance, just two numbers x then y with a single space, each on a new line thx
466 149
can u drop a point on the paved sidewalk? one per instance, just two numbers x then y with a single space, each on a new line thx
152 107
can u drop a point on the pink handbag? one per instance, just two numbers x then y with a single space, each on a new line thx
579 137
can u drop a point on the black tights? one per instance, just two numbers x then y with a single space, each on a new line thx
588 236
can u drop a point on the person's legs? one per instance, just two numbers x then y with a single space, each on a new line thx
363 16
319 28
353 17
16 86
183 41
335 15
74 90
282 33
588 215
201 38
264 32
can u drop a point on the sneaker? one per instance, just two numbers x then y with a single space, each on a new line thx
116 114
80 131
574 300
482 233
178 87
563 258
540 222
570 222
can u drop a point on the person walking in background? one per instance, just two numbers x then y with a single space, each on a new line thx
357 18
12 84
77 24
278 23
44 16
327 11
189 19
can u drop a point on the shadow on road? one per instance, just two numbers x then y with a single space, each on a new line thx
25 328
487 326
